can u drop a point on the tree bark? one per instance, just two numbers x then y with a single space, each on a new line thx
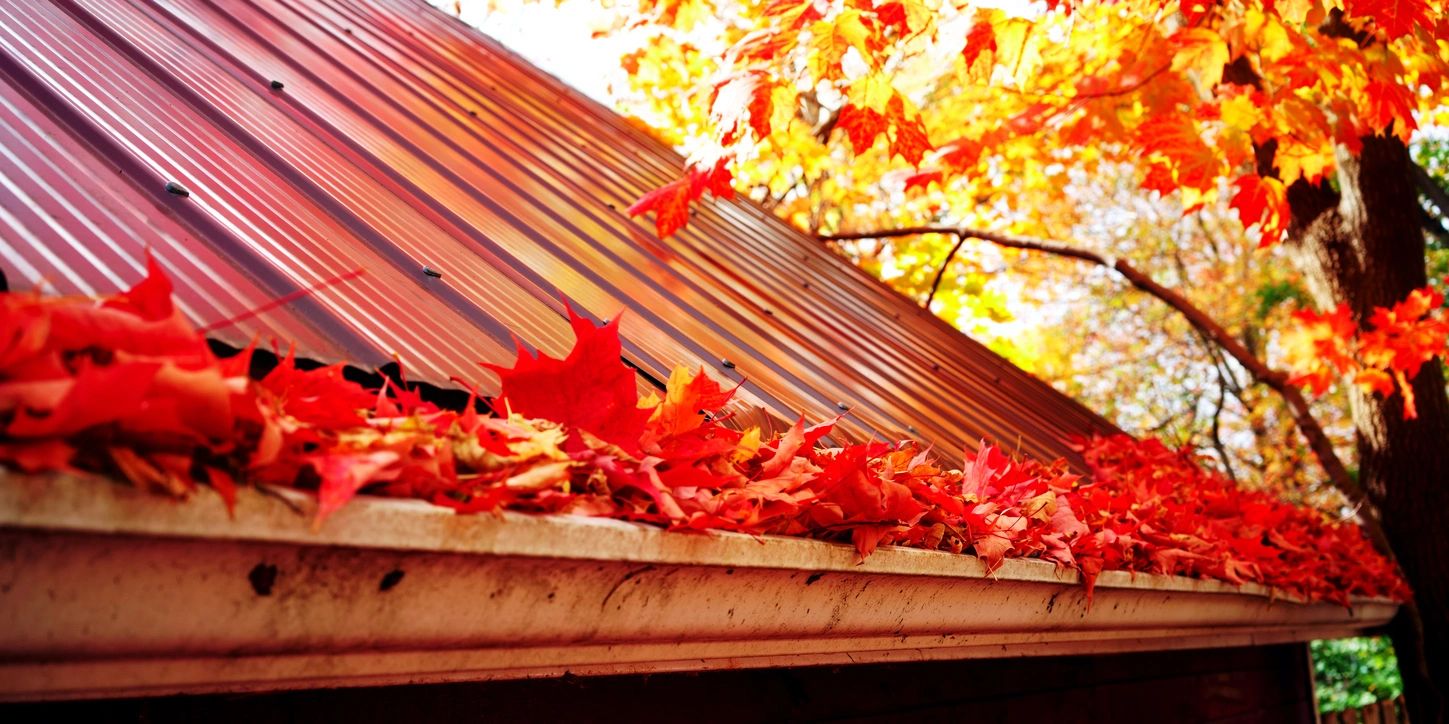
1363 245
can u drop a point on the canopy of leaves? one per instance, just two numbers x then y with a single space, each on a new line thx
858 113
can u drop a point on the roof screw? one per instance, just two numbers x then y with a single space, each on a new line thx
911 429
843 407
726 364
472 112
176 189
278 85
807 285
434 273
935 366
770 312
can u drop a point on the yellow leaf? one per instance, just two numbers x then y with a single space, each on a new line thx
749 445
1017 51
921 16
873 91
1266 34
1240 112
833 38
1202 52
1295 11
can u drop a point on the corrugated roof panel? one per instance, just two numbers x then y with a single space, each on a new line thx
401 139
74 224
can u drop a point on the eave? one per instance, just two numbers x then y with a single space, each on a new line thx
109 592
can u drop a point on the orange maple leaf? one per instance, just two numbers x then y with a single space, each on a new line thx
1319 348
1408 334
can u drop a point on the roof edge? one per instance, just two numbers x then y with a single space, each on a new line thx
129 593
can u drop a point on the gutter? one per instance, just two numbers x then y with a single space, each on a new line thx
107 591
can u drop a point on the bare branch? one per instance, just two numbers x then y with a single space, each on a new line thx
1216 427
822 134
941 273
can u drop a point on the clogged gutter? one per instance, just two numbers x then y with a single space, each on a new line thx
125 386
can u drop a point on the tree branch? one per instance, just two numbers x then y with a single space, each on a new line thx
822 134
1276 380
941 273
1216 429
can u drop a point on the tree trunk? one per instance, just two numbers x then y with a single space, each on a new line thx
1362 245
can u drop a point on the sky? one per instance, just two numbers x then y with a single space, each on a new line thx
558 38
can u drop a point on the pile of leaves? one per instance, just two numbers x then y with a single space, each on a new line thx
123 385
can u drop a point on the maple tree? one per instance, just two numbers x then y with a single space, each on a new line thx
873 120
572 436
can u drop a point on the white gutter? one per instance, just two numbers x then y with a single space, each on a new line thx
106 591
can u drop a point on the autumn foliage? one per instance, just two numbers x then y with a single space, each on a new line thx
123 385
861 116
1207 98
1325 347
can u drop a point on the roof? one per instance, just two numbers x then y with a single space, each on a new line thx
268 150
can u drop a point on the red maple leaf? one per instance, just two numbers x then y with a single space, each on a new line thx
141 320
1396 18
1403 338
343 474
908 132
1264 202
980 39
687 399
96 395
923 180
852 494
670 202
905 130
860 125
321 396
1390 104
744 99
591 389
960 155
893 15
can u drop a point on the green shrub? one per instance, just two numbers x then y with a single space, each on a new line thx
1351 673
